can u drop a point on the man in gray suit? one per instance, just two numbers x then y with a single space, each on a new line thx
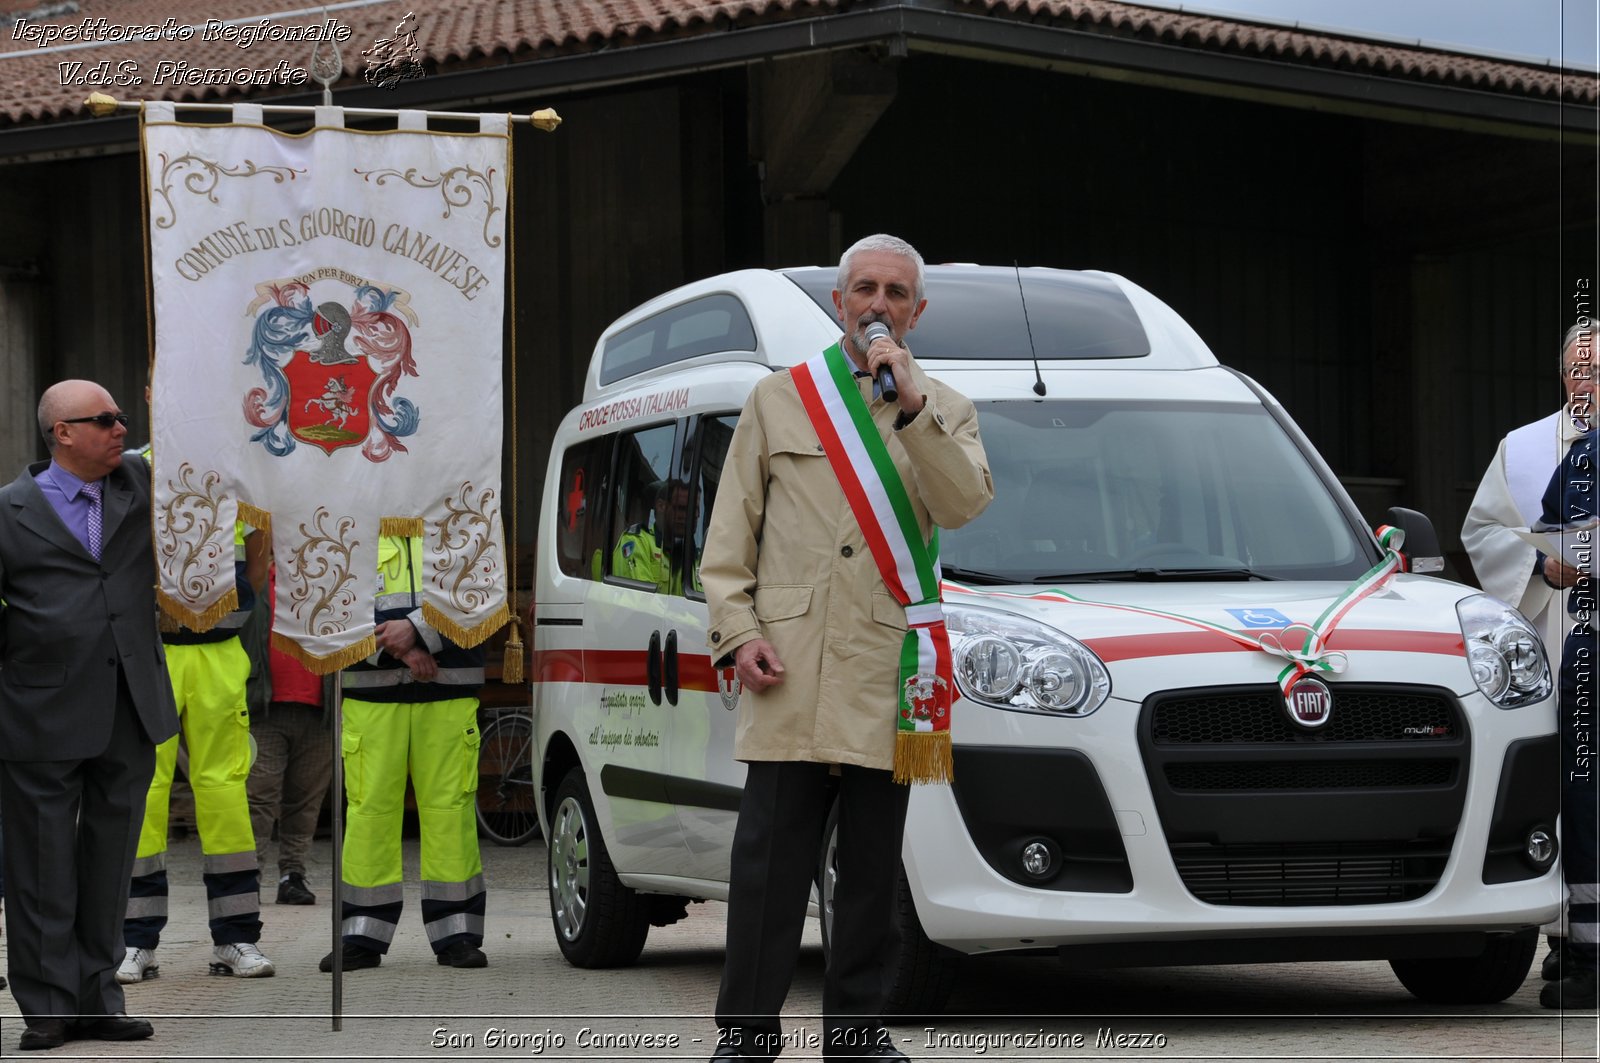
84 698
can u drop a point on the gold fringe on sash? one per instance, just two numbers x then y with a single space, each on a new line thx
405 527
511 664
465 637
256 518
325 665
179 612
923 757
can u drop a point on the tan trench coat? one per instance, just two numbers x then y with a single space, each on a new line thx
786 561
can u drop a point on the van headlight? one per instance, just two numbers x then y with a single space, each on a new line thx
1504 652
1011 662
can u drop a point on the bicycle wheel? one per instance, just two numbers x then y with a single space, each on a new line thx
506 810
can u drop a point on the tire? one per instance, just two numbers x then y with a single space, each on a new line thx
507 806
1487 978
925 972
598 921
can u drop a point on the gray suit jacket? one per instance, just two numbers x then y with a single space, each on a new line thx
70 623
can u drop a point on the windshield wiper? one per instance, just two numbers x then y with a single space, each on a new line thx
1153 575
972 575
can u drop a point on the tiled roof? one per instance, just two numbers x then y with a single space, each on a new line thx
461 34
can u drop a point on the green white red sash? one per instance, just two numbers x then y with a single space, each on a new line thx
1304 646
910 568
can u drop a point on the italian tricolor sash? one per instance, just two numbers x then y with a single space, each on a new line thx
910 567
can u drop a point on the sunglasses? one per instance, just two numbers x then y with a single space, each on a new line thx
104 420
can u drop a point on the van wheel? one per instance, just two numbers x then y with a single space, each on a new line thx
599 922
1487 978
925 972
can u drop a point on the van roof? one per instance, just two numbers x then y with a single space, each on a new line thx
990 315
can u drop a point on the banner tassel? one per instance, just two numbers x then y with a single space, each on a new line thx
404 527
174 612
325 665
511 666
465 637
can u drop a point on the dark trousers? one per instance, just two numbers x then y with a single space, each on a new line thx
776 847
71 832
1580 766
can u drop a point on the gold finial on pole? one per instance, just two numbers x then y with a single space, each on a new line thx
100 104
545 119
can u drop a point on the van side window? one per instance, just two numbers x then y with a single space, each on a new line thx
708 325
702 468
648 549
581 509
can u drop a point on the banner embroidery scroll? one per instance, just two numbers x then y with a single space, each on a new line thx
329 314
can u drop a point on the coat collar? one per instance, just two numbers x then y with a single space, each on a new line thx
40 517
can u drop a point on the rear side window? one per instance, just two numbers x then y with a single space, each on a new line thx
643 540
702 467
581 508
708 325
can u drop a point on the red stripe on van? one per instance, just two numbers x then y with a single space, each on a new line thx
618 668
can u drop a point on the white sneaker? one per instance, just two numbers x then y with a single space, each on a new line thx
244 960
138 965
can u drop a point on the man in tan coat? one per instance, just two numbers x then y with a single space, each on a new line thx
798 604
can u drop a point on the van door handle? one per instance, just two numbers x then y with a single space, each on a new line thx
670 667
652 667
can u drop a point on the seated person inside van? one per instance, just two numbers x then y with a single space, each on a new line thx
654 554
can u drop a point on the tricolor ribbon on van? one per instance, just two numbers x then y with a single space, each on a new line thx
910 568
1304 646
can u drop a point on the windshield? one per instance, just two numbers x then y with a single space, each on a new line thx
1090 491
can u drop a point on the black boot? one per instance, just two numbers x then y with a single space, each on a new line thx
1550 970
1578 991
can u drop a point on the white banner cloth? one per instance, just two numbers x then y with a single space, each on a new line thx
329 318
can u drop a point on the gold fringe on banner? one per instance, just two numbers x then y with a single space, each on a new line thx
325 665
511 665
180 612
405 527
923 757
256 518
465 637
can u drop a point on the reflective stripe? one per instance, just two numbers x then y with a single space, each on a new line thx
394 677
147 907
460 923
452 891
368 927
372 896
1584 893
234 904
398 600
149 865
222 863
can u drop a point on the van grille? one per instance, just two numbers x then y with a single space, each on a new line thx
1292 875
1371 715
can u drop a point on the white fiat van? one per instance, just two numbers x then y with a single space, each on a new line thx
1133 783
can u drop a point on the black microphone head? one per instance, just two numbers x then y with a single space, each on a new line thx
877 330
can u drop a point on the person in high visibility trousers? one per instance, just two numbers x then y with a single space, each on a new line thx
411 708
208 671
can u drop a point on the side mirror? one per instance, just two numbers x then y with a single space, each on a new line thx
1421 549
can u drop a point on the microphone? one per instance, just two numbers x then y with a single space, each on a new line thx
878 330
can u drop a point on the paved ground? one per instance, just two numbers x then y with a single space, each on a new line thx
530 1004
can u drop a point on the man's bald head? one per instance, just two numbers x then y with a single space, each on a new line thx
61 400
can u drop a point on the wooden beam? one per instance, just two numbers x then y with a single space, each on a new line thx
815 110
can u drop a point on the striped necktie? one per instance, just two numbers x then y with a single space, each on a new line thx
92 490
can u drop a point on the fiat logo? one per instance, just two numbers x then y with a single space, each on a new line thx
1310 702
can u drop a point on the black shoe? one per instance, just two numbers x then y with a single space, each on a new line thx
356 958
856 1047
44 1033
1577 991
1550 970
292 890
726 1052
462 954
884 1051
2 981
116 1027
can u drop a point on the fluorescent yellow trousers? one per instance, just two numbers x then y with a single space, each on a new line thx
208 683
436 744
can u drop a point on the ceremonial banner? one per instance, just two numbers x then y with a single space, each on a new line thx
329 313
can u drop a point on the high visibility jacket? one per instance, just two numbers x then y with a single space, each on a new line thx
383 678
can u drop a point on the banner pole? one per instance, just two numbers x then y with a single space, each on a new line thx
338 851
100 105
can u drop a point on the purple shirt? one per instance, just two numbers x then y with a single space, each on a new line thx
65 494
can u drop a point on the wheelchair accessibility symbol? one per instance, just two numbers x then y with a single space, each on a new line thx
1260 617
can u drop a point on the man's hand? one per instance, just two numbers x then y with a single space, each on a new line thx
886 352
757 666
395 637
1560 574
420 661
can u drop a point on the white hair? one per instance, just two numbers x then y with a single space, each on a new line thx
880 242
